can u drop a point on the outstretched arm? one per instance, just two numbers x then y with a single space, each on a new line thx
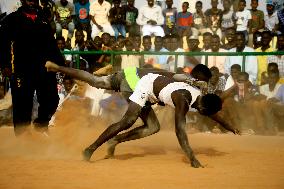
181 108
224 124
95 81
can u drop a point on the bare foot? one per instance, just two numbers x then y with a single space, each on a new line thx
51 67
195 163
111 148
87 154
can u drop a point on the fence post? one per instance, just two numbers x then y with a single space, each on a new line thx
176 60
206 60
111 58
244 63
78 60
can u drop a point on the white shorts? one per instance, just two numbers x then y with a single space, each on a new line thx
144 90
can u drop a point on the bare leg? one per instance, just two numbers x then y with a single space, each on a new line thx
126 122
95 81
151 126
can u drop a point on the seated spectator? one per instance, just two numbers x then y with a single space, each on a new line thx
99 12
131 14
262 60
257 22
82 16
214 17
136 42
199 20
129 60
270 90
64 14
170 14
272 67
174 42
243 19
147 46
279 59
150 18
231 80
216 84
230 36
184 21
48 9
117 19
206 41
280 14
271 18
193 43
61 45
227 19
256 40
216 61
249 61
80 45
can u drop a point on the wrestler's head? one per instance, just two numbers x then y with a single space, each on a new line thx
208 104
201 72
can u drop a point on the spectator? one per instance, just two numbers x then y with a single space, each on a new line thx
25 34
131 14
280 95
174 43
256 40
216 84
206 41
262 60
279 59
64 14
99 12
82 16
193 43
61 45
231 80
214 17
230 36
243 19
272 67
129 60
250 61
215 61
150 18
280 14
199 20
48 9
170 14
271 18
147 46
117 19
270 89
184 21
227 18
257 22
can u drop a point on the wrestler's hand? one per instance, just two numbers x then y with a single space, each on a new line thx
237 132
51 67
195 163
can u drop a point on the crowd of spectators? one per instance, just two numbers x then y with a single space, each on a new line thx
118 25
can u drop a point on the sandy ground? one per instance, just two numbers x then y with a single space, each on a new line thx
229 161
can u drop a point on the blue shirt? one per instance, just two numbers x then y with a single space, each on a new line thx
82 12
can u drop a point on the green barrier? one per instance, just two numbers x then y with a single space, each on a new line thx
113 53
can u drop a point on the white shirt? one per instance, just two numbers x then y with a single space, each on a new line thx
147 13
129 61
250 63
242 19
9 6
270 21
264 90
100 12
229 83
218 61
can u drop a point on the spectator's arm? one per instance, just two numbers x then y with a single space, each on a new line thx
160 19
140 21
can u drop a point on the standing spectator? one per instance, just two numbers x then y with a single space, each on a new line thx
271 18
230 36
216 61
147 46
61 44
29 41
82 16
243 19
262 60
150 17
170 14
279 59
257 22
99 11
117 19
174 46
184 21
129 60
199 20
214 17
250 61
64 14
131 14
192 43
227 18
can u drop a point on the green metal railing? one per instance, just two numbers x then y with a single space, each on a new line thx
176 54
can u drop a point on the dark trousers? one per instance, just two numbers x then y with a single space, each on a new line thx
23 87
